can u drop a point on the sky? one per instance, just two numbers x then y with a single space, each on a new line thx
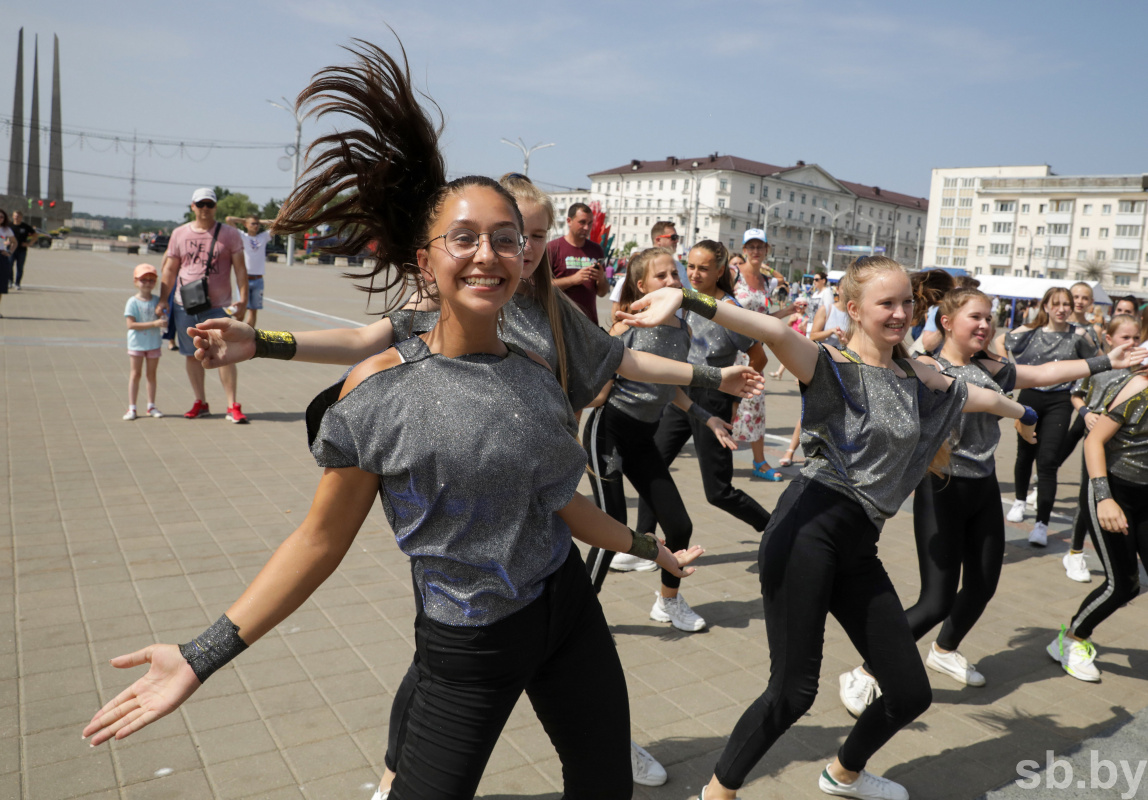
878 93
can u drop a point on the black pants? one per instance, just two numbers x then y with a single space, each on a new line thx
18 259
715 461
1076 431
1082 520
1054 410
620 445
464 682
818 557
1117 553
959 527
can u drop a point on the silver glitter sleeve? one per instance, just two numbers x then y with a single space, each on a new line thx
1127 451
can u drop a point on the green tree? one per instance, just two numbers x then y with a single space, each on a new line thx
270 209
228 204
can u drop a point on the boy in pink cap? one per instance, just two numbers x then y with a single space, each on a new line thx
143 338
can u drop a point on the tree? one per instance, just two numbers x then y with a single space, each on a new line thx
1093 268
626 249
270 209
228 204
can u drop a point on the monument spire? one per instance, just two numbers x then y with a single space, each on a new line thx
16 156
56 145
33 186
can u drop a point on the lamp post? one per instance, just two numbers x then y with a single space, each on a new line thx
526 151
697 198
765 207
833 231
291 109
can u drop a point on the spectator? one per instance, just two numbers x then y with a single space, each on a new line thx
577 262
255 240
7 245
822 295
1128 305
194 246
25 235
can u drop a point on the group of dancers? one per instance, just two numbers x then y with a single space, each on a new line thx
459 413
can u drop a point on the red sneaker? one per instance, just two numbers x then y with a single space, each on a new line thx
235 414
198 410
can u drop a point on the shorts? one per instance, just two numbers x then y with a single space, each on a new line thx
183 321
145 353
255 292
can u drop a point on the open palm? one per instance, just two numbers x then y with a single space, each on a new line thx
168 682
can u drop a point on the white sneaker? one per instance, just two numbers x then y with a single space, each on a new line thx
955 666
677 611
702 795
1076 567
131 414
858 690
1031 499
1016 513
1075 656
152 411
647 771
1039 535
380 794
867 786
624 562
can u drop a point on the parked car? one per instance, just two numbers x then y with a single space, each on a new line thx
159 243
44 239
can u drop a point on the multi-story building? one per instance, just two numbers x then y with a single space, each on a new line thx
808 214
1026 221
562 200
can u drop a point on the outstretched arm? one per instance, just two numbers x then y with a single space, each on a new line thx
219 342
1054 372
648 368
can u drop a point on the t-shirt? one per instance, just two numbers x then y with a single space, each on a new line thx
22 231
5 232
190 247
143 311
566 259
255 251
822 298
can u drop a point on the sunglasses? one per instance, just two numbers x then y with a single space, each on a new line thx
205 204
673 237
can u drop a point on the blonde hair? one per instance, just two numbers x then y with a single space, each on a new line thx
636 271
1116 322
852 285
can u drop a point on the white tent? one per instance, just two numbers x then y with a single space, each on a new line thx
1015 288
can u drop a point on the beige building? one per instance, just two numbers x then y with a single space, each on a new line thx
1027 221
807 212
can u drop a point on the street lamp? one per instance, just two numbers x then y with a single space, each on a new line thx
765 207
293 110
833 231
526 151
697 178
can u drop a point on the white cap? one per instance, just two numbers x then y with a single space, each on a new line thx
754 233
203 193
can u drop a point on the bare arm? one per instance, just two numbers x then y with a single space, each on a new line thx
930 340
228 341
239 265
1055 372
979 399
169 275
1108 511
649 368
143 326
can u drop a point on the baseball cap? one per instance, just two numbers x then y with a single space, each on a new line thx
203 193
754 233
143 269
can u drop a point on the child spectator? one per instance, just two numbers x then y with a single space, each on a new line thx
143 338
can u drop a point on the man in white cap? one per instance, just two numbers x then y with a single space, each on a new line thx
203 253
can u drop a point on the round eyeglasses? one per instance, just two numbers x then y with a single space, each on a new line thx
463 242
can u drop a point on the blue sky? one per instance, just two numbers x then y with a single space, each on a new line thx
878 93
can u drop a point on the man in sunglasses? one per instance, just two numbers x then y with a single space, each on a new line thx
192 246
663 234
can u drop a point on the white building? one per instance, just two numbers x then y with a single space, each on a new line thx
807 211
84 224
562 200
1026 221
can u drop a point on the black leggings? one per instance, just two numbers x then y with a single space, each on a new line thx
1082 521
819 556
464 682
1117 553
1054 410
959 527
715 462
620 445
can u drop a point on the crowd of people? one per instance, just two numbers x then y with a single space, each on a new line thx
461 412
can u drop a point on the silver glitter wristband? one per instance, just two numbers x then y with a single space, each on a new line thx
701 304
643 546
1100 489
706 377
699 413
213 648
1098 364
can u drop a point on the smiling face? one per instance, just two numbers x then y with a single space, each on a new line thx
703 271
481 283
1059 308
535 219
970 327
755 250
1081 299
660 274
1124 307
884 308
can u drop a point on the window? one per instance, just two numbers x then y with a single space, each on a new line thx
721 202
1125 254
1104 233
1024 208
779 194
1057 252
673 185
802 199
980 250
1000 249
1122 280
966 202
1002 227
942 261
749 209
1084 232
946 222
967 182
1081 255
1131 207
983 229
685 184
1101 255
1060 206
1128 230
791 195
962 222
649 203
1087 208
998 270
943 241
950 183
1106 209
880 215
789 214
752 188
723 185
801 216
1058 229
626 203
1037 252
978 271
1040 230
1019 252
984 208
948 202
1022 230
1005 205
959 261
870 228
1042 208
961 241
650 187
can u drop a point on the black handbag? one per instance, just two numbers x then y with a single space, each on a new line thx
194 294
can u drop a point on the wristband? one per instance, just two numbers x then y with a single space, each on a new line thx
1100 489
1098 364
1029 417
274 344
699 413
706 377
701 304
644 546
213 648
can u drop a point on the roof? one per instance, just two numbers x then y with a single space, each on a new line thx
737 164
1011 286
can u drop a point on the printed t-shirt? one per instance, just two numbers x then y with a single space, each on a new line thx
190 247
566 259
255 252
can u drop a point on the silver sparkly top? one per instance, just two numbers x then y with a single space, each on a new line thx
975 439
871 435
1127 451
474 455
1036 347
409 323
647 401
1094 388
711 343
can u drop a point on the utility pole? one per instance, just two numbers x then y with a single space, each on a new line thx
132 187
290 108
526 151
809 255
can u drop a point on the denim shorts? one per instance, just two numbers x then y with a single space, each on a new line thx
183 321
255 292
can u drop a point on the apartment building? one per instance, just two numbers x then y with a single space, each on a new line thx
808 213
1028 221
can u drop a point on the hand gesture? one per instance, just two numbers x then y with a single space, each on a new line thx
675 563
1090 419
1125 356
656 308
1027 432
742 381
168 682
721 430
1111 516
219 342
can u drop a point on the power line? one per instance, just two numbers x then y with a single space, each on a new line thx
161 182
125 137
